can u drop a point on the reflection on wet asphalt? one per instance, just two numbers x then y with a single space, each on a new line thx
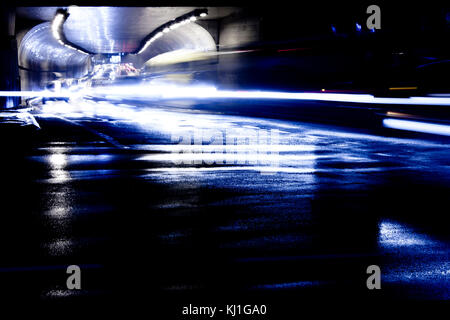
188 203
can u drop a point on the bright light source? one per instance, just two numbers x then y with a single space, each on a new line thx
319 96
193 18
115 59
56 25
203 14
166 30
57 160
56 35
58 20
56 28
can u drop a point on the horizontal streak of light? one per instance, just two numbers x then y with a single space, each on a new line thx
332 97
198 92
440 95
399 114
417 126
210 92
403 88
294 49
35 94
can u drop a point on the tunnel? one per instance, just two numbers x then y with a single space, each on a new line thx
103 31
42 59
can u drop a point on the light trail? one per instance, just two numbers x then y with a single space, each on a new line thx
417 126
161 92
45 94
210 92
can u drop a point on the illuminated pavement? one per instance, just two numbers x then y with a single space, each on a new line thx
115 189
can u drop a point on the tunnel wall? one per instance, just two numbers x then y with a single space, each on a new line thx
238 31
9 75
42 59
235 30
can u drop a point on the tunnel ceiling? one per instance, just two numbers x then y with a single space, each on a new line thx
114 29
39 51
189 37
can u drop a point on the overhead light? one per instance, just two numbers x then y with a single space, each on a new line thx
174 24
57 22
57 29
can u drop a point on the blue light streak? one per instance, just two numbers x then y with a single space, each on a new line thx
45 94
210 92
166 92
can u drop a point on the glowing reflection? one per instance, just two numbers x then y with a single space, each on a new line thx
57 160
60 293
234 168
414 259
58 172
59 212
60 247
394 235
228 158
59 202
290 285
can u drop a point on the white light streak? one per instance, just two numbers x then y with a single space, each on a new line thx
46 94
56 25
417 126
169 28
211 92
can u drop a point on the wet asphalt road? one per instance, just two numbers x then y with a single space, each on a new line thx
157 212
